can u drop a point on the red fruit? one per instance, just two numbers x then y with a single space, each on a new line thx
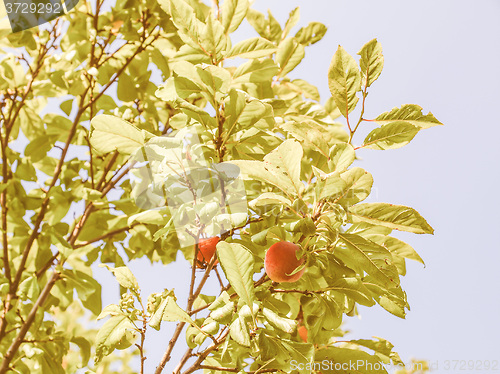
207 249
302 330
281 260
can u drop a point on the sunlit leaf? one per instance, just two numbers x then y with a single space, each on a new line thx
390 136
371 61
375 259
111 133
344 81
410 113
237 263
252 48
289 54
397 217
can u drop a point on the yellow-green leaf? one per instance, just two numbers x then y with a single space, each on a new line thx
289 54
371 61
111 133
409 113
252 48
390 136
237 263
344 81
397 217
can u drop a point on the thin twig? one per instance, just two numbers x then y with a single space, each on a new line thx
106 236
205 353
27 324
166 356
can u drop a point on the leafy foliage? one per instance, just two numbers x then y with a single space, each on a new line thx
136 79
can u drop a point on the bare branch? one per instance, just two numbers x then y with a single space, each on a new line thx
166 356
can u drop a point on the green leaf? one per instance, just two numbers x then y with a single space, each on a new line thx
303 353
111 334
409 113
267 28
394 300
271 350
37 149
292 20
111 133
396 247
89 290
280 168
233 13
307 227
190 28
194 55
84 346
284 324
238 330
213 39
371 62
223 313
332 109
332 186
126 90
344 81
396 217
220 301
210 326
390 136
268 198
124 277
341 156
359 183
365 229
58 126
154 217
373 258
168 310
311 34
310 133
255 71
237 263
322 311
252 48
303 88
289 54
179 87
215 79
285 161
353 288
29 288
241 114
111 309
381 347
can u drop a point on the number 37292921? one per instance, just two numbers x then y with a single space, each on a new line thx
485 365
40 8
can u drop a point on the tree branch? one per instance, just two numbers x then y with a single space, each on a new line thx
171 344
27 324
106 236
43 209
205 353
